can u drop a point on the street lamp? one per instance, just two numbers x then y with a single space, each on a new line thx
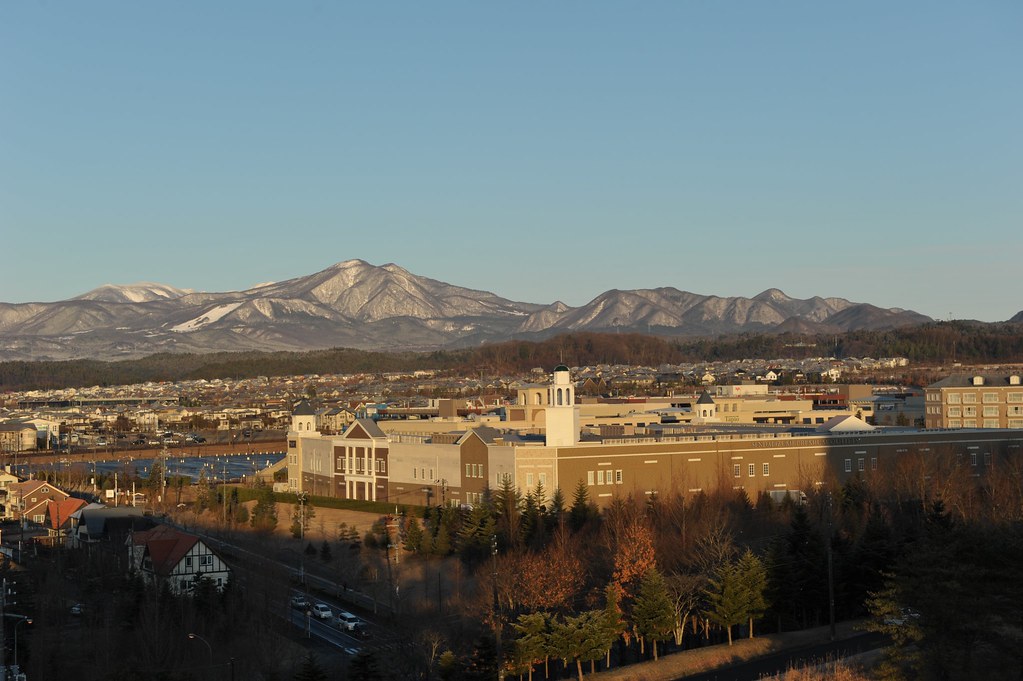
20 621
197 637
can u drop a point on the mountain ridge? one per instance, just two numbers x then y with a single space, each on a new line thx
355 304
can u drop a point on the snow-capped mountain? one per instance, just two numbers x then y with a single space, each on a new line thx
355 304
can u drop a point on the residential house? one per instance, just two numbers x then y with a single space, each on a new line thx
60 519
165 555
29 499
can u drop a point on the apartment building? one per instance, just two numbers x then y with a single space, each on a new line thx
980 401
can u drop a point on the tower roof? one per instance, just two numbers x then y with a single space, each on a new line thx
560 367
705 398
303 408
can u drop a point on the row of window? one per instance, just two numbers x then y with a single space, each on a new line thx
987 411
474 470
751 470
358 466
420 474
529 481
604 477
972 423
204 561
860 464
986 398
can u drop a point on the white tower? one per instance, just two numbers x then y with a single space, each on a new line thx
303 418
562 417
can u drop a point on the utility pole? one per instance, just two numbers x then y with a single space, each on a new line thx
497 617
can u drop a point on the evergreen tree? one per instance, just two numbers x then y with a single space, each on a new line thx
202 493
532 641
475 537
579 638
507 508
413 535
653 614
753 578
310 670
727 598
325 554
364 667
581 510
264 514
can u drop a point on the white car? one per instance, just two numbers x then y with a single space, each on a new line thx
322 611
346 621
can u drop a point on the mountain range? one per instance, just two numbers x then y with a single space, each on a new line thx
359 305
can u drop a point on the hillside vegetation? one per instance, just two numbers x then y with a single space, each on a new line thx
934 343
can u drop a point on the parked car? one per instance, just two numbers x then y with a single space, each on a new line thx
322 611
139 441
346 621
76 609
300 602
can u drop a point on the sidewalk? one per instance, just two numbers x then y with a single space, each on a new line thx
688 662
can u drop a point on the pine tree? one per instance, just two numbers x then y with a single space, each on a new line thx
413 535
264 514
753 576
310 670
653 614
202 493
580 512
532 642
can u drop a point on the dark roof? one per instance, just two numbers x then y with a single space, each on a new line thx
303 408
705 398
966 381
560 367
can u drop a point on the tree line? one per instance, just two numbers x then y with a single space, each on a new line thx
571 588
937 342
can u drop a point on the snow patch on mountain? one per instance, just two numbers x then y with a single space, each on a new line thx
212 315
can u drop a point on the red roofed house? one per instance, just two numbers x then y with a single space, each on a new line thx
59 522
164 554
29 499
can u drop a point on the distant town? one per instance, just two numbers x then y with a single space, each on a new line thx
643 510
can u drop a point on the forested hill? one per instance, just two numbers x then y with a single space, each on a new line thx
935 343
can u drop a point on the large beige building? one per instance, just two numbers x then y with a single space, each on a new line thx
706 453
974 402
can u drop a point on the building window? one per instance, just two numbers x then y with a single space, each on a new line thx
767 469
987 458
1014 397
431 475
529 479
873 463
468 470
955 423
292 444
954 398
969 411
736 470
969 423
859 464
205 561
543 480
990 411
618 477
990 398
973 458
1015 423
752 470
990 423
955 411
188 561
600 477
970 398
848 465
589 477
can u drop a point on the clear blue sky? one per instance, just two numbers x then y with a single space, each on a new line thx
542 151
